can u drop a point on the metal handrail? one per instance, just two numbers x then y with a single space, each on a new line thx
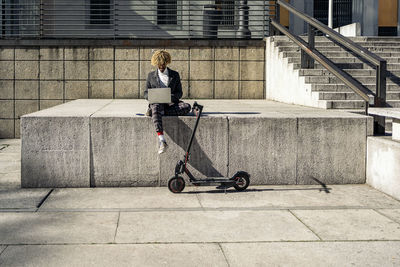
309 54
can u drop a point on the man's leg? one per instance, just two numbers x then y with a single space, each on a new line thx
158 111
178 109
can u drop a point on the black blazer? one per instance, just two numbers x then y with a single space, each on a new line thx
174 82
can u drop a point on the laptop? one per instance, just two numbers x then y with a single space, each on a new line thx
159 95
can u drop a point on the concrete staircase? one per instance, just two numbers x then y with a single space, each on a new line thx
321 87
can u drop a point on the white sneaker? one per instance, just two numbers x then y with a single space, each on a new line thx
163 147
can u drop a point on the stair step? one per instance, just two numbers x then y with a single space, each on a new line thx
321 87
331 44
356 72
324 49
352 96
384 55
362 79
351 59
357 104
390 66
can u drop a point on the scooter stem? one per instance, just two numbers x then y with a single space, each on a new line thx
199 109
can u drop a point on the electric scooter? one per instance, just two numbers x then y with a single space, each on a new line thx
240 181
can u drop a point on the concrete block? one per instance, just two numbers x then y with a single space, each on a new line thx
7 53
263 147
181 53
101 53
6 89
6 128
127 70
76 53
227 89
17 127
331 150
23 107
276 226
226 70
54 140
209 148
201 89
47 53
252 53
142 88
51 90
76 89
145 68
26 89
201 70
26 70
396 129
7 69
201 53
122 53
100 89
185 89
76 70
349 224
49 103
182 67
58 227
227 53
27 53
126 89
147 53
101 70
252 70
251 90
6 109
383 169
10 180
393 214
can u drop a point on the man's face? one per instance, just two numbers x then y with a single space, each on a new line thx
162 67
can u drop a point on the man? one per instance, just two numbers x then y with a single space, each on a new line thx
164 77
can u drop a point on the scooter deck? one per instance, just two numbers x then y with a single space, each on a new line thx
212 181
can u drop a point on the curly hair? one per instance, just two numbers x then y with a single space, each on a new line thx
160 57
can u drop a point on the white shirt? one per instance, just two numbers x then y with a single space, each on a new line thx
163 76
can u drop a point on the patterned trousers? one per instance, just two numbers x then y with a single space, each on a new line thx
159 110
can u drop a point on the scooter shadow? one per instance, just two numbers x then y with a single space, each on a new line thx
233 191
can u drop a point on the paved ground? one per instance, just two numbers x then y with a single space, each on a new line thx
266 225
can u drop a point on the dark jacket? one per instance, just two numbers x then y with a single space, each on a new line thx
174 82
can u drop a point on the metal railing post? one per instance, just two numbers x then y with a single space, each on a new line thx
380 98
307 62
41 20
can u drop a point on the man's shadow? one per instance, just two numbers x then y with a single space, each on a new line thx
180 133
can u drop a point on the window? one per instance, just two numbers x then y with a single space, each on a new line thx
167 12
228 11
100 12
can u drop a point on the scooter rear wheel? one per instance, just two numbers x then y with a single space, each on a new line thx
176 184
242 181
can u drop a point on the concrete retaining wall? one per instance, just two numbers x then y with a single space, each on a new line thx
383 165
106 143
33 78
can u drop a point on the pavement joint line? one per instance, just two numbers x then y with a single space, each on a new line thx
116 228
44 199
202 242
386 216
198 199
223 253
308 227
5 210
209 209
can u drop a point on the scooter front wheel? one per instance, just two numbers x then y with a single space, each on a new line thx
242 181
176 184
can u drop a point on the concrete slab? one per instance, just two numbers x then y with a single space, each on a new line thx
57 227
393 214
10 180
10 157
297 197
21 198
10 142
10 166
313 254
210 226
115 255
118 198
55 145
331 150
349 224
11 149
263 147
